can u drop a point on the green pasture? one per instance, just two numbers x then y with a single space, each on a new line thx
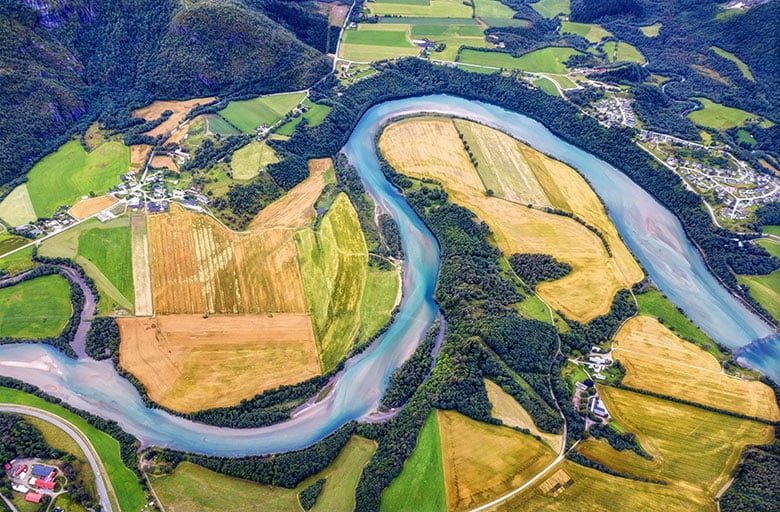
721 117
17 262
378 300
592 32
315 114
622 52
426 20
420 486
10 242
192 487
492 9
37 308
17 209
435 9
63 177
546 60
766 290
736 60
772 246
248 160
453 36
392 38
552 8
651 30
247 115
129 493
218 126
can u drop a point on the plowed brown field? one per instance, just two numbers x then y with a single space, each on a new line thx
179 108
199 266
190 363
87 207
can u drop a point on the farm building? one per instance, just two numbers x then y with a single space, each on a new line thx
597 407
33 497
44 472
44 484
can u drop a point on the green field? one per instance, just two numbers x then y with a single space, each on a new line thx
10 242
218 126
192 487
420 486
64 176
721 117
334 264
653 304
426 20
378 300
247 161
736 60
393 38
37 308
744 136
546 60
551 8
591 32
772 230
249 114
492 9
435 9
651 30
454 36
507 22
766 290
772 246
563 81
129 493
547 86
625 52
104 251
17 262
17 209
315 114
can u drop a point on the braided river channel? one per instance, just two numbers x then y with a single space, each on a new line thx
652 232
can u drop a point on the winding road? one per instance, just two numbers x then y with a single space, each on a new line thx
102 482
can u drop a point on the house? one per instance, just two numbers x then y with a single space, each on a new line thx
581 386
33 497
597 407
45 484
44 472
20 470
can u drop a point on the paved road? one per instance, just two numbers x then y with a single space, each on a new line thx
101 478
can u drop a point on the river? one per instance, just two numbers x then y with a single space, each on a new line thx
651 232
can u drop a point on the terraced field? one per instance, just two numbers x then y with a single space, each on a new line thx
199 266
189 363
431 148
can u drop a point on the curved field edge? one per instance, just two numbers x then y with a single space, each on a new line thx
129 493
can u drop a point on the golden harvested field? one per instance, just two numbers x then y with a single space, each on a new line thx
87 207
482 462
179 108
161 161
659 361
431 148
200 266
693 449
138 155
594 491
142 278
190 363
17 208
296 208
513 414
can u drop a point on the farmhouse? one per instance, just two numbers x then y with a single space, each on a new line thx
43 484
597 407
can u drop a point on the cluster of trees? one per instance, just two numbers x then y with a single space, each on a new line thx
406 379
308 497
244 201
211 152
769 214
620 442
581 337
18 438
103 338
535 268
755 481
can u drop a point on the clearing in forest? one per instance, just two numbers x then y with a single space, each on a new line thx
36 308
657 360
180 110
721 117
88 207
483 462
693 449
17 209
142 272
295 209
200 266
190 363
192 487
431 148
334 265
506 409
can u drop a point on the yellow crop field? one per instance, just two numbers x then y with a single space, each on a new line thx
482 462
180 110
138 155
513 414
296 208
658 361
334 265
593 491
17 208
431 148
190 363
142 273
160 161
199 266
693 449
87 207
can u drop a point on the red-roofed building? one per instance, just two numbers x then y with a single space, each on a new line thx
45 484
33 497
7 466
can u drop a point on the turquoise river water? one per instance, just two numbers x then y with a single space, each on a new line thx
653 234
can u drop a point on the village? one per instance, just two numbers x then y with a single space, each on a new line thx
35 480
596 366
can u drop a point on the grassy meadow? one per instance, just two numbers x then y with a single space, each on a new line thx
652 303
17 208
334 265
247 115
192 487
721 117
765 289
37 308
62 177
315 114
17 262
492 9
372 42
248 160
545 60
546 85
129 493
432 9
551 8
622 52
651 30
378 301
736 60
592 32
420 486
10 242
